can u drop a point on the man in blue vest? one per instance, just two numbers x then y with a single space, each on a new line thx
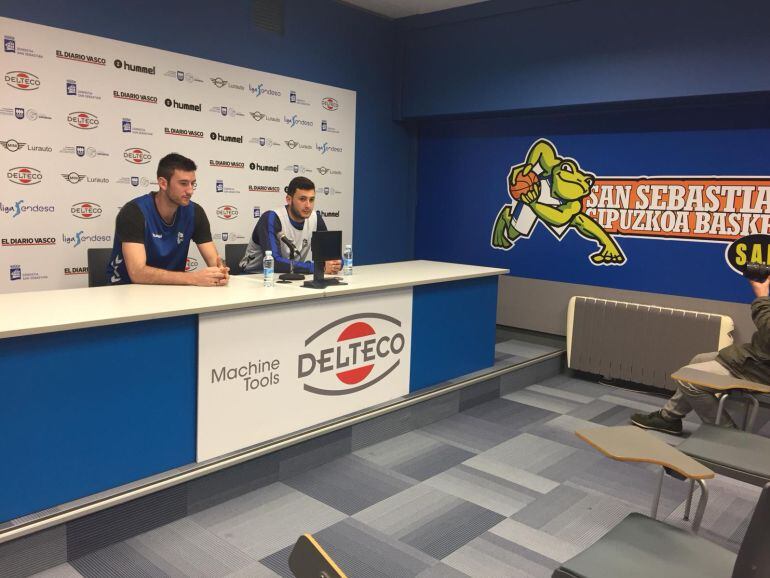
153 233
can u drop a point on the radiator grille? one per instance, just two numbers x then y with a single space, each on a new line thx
641 343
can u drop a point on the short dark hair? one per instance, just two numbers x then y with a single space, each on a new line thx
173 162
303 183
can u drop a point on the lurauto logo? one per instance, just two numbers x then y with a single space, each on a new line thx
360 350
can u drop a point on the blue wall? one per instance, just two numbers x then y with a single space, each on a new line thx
323 42
507 55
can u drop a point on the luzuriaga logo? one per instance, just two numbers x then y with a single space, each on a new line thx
19 208
22 80
330 103
83 120
261 89
80 238
220 82
225 138
86 210
135 96
182 76
294 121
191 264
227 212
24 175
137 156
128 67
328 171
81 57
324 148
13 146
27 241
297 169
359 350
264 141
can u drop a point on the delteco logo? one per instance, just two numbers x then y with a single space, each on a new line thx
137 156
183 132
226 164
135 96
227 212
78 57
83 120
22 80
191 264
86 210
123 65
360 350
24 175
330 103
171 103
27 241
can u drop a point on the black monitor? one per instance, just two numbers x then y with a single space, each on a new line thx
325 246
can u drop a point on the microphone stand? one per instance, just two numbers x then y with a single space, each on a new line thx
291 275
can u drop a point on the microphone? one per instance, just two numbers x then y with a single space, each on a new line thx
286 241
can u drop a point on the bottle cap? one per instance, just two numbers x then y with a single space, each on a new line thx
268 253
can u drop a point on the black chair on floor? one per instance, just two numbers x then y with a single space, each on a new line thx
233 254
640 547
97 266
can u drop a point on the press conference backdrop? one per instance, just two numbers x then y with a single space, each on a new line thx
84 121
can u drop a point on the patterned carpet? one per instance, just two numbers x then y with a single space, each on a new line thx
504 488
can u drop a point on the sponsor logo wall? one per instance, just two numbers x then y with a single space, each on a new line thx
84 121
338 356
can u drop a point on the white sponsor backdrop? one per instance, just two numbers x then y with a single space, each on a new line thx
84 121
274 370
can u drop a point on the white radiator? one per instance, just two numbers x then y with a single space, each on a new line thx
640 343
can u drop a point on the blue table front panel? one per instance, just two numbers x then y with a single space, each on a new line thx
453 330
86 410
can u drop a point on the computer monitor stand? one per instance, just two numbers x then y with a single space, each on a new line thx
318 281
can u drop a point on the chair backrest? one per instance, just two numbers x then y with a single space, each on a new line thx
753 559
233 254
97 266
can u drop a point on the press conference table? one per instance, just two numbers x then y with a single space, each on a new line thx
100 386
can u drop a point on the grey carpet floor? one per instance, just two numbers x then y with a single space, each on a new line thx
501 489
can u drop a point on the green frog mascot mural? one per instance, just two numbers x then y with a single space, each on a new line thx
551 189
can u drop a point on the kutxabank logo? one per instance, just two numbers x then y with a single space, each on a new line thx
361 350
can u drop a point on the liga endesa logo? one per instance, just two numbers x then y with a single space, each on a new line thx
360 350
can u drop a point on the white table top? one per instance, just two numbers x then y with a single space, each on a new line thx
65 309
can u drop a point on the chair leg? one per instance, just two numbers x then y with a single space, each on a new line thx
656 500
704 497
721 408
752 414
688 504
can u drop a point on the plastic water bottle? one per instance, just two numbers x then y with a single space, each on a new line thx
267 265
347 261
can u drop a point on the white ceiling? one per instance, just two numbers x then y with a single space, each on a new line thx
402 8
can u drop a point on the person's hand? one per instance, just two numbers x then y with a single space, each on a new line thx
332 267
225 270
209 277
760 289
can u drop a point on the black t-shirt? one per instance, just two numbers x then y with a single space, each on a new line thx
129 224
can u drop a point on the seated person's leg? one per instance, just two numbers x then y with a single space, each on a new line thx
687 397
